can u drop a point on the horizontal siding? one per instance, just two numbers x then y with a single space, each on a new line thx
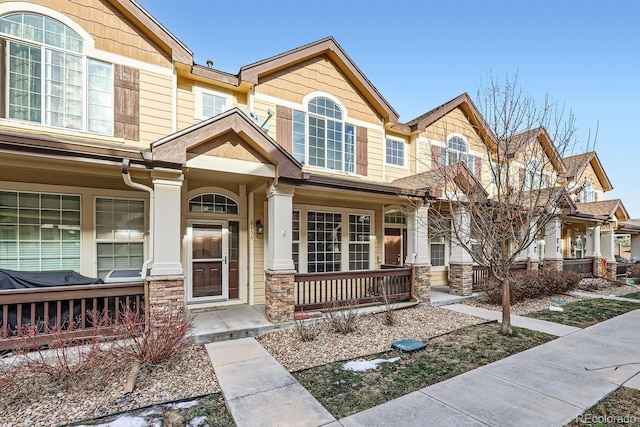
439 278
155 106
375 151
258 254
186 104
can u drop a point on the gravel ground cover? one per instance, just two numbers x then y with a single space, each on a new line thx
35 401
372 336
543 303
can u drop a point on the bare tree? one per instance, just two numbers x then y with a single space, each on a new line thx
494 208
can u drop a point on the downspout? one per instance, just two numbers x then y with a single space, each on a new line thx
127 180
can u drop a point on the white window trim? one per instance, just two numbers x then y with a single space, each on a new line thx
96 240
199 91
344 242
404 150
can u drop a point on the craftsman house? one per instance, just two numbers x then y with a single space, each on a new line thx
288 184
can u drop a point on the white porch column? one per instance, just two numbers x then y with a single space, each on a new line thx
458 254
588 246
607 245
596 242
532 250
279 256
418 236
635 246
166 232
552 244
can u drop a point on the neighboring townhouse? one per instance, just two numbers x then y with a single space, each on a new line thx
288 184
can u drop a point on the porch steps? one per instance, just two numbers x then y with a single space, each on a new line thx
229 323
440 296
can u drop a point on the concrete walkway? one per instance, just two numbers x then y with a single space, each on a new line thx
550 328
547 385
260 392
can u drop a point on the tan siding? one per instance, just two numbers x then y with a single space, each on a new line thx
258 254
317 74
439 278
590 174
261 108
392 173
186 101
155 106
375 152
110 29
455 122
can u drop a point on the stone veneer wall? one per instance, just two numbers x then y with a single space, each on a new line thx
553 264
279 295
612 271
598 270
422 283
461 279
166 296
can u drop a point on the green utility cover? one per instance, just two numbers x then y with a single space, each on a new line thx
408 345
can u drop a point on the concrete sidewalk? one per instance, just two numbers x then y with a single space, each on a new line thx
547 385
550 328
258 391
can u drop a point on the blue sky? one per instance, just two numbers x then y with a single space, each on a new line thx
420 54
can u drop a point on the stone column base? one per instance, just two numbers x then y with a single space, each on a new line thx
422 282
612 271
598 267
553 264
460 279
279 295
533 265
165 296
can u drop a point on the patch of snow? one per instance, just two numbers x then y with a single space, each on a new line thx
182 405
366 365
554 308
126 421
197 421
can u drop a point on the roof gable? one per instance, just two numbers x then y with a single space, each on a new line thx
577 165
328 46
174 148
609 208
540 134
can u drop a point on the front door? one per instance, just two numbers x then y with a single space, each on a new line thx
393 246
209 261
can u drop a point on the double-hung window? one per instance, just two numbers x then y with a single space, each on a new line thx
49 80
533 175
321 138
587 194
395 152
457 151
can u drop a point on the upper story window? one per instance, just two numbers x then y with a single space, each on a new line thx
210 103
321 137
533 175
395 152
587 194
49 80
457 151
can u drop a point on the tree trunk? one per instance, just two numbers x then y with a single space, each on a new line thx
505 328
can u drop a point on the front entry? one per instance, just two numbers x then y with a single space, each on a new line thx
213 249
394 246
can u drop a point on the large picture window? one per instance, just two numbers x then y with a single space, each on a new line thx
39 231
324 242
321 138
49 80
120 230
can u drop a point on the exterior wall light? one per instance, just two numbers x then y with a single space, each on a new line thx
259 227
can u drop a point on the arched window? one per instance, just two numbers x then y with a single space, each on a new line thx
587 194
213 203
394 216
48 78
457 151
321 137
533 175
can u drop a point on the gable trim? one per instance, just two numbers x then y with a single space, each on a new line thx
328 46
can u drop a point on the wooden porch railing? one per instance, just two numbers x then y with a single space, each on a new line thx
582 266
622 269
481 274
316 290
64 307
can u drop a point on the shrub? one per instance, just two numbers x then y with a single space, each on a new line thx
308 330
531 284
343 316
634 271
165 340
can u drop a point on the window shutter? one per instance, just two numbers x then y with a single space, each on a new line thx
126 93
362 151
478 168
284 129
435 157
